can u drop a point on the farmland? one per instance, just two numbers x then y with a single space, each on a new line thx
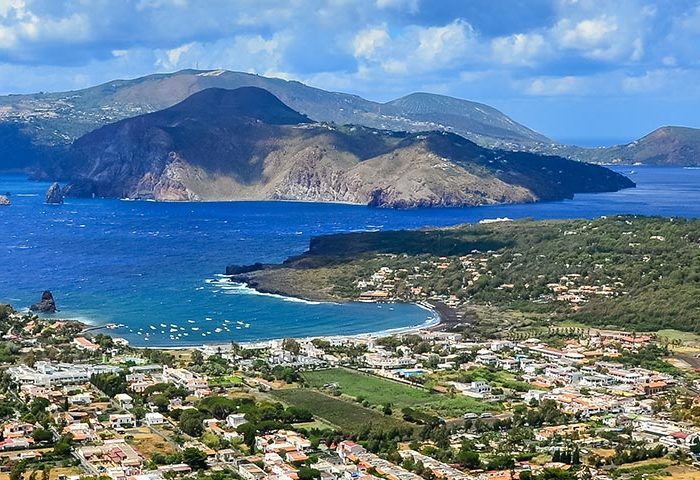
378 391
349 417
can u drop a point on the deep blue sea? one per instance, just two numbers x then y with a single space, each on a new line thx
155 267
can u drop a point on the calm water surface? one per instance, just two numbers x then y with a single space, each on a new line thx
146 264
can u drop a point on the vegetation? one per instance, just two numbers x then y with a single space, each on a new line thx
349 417
650 264
371 390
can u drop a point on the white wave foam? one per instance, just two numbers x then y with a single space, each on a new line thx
242 289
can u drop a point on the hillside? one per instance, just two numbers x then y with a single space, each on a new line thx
245 144
638 273
32 126
669 146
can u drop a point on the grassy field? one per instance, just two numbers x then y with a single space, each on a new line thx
375 390
349 417
226 380
380 391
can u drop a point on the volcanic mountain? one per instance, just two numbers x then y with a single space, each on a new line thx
245 144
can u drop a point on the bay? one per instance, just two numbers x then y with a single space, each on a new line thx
147 264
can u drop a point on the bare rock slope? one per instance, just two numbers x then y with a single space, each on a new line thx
245 144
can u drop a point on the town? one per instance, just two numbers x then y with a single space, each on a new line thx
424 404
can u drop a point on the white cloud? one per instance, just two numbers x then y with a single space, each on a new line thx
441 45
407 5
367 42
520 49
650 81
555 86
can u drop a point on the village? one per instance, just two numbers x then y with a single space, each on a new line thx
587 403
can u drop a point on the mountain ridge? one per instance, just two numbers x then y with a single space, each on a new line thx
246 144
44 122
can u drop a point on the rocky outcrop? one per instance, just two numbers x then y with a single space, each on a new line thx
241 269
245 144
4 201
54 195
46 305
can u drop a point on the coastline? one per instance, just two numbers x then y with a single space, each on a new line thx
442 318
432 324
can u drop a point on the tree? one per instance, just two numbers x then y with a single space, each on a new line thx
468 459
197 358
195 458
291 345
40 435
306 473
17 470
191 422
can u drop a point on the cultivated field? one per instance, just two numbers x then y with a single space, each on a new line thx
349 417
380 391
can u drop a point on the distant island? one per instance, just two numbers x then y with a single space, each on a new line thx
634 272
245 144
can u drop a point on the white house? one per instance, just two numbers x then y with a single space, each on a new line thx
154 418
124 400
122 420
235 420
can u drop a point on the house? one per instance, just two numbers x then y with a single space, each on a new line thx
122 420
84 344
154 418
125 401
235 420
250 471
80 399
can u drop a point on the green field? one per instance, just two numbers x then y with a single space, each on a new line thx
380 391
349 417
226 380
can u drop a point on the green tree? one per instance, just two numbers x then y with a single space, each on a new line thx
195 458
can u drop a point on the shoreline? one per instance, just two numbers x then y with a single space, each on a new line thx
443 317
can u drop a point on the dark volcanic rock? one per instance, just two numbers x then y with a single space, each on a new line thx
54 195
46 305
241 269
4 201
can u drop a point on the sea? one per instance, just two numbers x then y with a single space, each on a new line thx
156 269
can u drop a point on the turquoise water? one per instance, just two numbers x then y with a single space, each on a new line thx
144 264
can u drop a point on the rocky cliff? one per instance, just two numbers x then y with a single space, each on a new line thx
245 144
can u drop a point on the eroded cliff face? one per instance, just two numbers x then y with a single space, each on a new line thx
246 145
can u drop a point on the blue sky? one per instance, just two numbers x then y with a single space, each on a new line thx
581 70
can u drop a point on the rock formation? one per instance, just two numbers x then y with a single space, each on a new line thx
46 305
54 195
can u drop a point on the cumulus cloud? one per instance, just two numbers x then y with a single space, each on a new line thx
520 49
370 40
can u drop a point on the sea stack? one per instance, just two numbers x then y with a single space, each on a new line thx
54 195
4 201
46 305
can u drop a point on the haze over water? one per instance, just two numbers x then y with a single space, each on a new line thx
144 264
